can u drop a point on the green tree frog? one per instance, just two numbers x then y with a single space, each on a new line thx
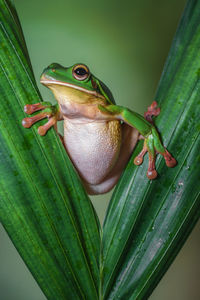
99 136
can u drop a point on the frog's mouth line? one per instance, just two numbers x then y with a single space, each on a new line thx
50 82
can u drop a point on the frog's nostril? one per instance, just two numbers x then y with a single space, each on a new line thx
52 69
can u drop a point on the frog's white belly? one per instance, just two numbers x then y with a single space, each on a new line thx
93 147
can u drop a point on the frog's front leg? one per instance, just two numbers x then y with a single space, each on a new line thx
52 112
152 142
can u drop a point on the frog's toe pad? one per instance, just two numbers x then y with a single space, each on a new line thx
152 174
27 123
169 159
138 160
42 130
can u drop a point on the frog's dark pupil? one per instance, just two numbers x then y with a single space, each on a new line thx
80 71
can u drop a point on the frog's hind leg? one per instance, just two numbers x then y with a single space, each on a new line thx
153 110
169 159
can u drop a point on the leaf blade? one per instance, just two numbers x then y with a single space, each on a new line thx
130 214
47 214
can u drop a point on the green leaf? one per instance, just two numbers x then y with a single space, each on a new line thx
43 205
148 221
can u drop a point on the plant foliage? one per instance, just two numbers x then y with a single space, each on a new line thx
43 205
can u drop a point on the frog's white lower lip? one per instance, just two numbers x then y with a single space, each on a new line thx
51 82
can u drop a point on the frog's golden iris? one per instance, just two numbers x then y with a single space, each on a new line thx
80 72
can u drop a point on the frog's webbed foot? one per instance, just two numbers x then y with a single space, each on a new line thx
48 111
153 145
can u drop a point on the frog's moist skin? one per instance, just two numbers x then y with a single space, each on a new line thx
93 141
99 136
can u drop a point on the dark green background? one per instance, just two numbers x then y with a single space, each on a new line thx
125 43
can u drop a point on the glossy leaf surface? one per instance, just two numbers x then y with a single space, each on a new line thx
45 209
43 205
148 221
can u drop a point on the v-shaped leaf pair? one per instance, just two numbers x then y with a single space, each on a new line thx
45 209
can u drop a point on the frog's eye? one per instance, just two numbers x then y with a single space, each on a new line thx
80 72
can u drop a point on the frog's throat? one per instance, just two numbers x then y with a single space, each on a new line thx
52 82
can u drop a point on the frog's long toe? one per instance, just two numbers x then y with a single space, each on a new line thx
139 158
31 108
28 122
169 159
151 172
42 130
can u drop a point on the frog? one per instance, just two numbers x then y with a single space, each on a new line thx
99 135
